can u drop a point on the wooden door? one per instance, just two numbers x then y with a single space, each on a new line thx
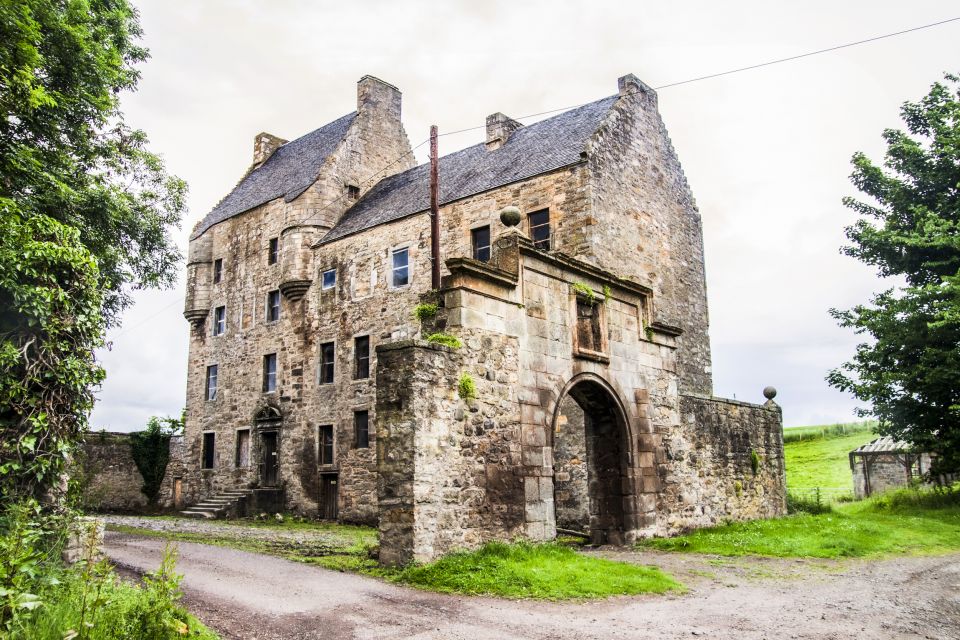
328 496
268 443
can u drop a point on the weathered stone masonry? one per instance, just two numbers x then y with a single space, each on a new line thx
589 351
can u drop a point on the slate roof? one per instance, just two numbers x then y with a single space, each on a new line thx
288 172
886 444
532 150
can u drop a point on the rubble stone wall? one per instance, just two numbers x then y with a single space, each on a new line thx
110 479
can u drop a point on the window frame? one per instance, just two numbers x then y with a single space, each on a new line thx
322 445
476 249
215 370
331 363
358 360
273 250
268 358
217 270
219 320
538 244
271 296
393 268
323 279
357 442
211 450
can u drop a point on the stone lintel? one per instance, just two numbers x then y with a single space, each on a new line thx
467 268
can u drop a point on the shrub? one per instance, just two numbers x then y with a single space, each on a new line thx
425 311
812 505
445 339
466 387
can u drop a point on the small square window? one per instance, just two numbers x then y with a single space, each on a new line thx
361 427
327 356
270 373
540 229
400 275
219 321
217 270
326 444
273 306
329 280
212 382
361 350
480 238
274 251
353 191
207 459
242 459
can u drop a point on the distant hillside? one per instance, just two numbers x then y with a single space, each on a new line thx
817 457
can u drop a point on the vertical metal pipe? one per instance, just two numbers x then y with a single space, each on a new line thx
434 211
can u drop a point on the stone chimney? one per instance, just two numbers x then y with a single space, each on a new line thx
264 144
631 84
378 99
499 128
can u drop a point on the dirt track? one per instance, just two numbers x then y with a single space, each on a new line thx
244 595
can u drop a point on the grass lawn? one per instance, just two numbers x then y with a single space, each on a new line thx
524 570
905 521
822 462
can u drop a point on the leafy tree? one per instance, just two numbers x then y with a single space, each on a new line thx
85 211
909 371
151 453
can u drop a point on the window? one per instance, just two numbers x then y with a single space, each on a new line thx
326 362
540 229
361 351
326 444
329 279
361 427
212 382
243 448
217 270
219 321
273 306
589 332
481 243
207 456
400 275
270 373
353 191
274 251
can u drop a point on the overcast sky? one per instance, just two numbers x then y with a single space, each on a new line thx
767 152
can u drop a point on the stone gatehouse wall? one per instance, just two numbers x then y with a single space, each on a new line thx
707 471
110 480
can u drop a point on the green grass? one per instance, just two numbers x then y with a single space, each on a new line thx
902 522
822 462
524 570
796 434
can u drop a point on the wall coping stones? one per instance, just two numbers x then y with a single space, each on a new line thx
769 405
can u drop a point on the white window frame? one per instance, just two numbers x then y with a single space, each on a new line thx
267 318
216 378
323 279
263 372
219 330
392 269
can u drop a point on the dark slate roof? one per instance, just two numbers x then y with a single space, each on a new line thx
532 150
288 172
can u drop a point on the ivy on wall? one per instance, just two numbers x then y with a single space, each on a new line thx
151 453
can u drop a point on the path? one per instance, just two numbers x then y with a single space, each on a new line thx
251 596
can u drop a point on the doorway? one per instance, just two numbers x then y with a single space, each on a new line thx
329 483
592 487
270 466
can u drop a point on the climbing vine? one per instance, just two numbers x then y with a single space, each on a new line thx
151 453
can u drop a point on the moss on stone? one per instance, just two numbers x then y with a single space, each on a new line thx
445 339
466 387
425 311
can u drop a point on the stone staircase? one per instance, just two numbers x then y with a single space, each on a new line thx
223 504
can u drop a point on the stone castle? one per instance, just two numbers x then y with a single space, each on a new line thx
559 378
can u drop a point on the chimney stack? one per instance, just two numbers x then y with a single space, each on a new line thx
378 98
499 128
264 144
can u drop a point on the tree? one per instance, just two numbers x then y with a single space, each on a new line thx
909 371
85 214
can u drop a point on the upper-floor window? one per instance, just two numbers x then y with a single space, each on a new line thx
212 382
270 373
361 429
480 239
209 441
274 251
353 191
540 229
273 306
400 274
361 350
326 444
217 270
326 362
219 321
329 279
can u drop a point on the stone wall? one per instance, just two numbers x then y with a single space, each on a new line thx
109 477
875 473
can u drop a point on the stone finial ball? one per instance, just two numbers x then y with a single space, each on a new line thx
510 216
769 393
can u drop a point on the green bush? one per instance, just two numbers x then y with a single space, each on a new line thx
802 504
151 453
425 311
466 387
445 339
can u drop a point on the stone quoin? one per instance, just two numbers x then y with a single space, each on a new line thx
559 378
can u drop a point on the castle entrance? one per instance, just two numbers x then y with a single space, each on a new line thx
590 463
268 422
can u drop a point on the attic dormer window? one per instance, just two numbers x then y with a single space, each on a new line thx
353 191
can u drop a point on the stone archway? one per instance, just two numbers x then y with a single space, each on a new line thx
593 490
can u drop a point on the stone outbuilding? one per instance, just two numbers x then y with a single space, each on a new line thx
559 377
884 463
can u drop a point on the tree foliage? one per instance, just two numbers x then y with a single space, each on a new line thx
85 211
909 370
151 453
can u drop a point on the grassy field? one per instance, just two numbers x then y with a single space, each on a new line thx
822 462
905 521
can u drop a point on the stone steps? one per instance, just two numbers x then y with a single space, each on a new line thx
216 506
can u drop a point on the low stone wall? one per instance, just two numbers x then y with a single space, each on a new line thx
110 480
724 462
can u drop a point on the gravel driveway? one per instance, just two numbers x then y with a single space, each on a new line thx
246 595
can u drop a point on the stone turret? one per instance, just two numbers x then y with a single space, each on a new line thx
296 261
199 279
